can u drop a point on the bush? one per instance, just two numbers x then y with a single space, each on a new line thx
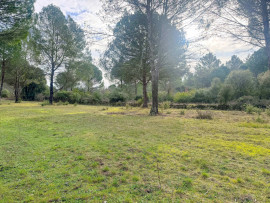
204 115
264 85
252 109
45 103
164 96
184 97
225 94
5 93
242 82
117 96
165 105
201 96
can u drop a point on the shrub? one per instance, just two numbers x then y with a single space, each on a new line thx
164 96
225 94
184 97
204 115
264 85
165 105
117 96
5 93
182 112
252 109
242 82
45 103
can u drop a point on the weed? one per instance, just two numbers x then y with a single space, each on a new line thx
182 112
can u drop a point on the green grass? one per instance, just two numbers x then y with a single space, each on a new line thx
88 153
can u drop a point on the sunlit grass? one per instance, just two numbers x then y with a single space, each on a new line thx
118 154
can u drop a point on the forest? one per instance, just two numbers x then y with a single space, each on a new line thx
148 120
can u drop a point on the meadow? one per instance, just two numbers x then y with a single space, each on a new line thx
117 154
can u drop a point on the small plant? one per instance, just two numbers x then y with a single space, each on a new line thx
187 183
204 115
106 169
66 103
60 103
205 175
75 104
267 111
182 112
45 103
260 120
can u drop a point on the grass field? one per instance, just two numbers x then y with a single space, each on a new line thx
94 153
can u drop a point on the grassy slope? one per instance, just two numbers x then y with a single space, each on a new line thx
90 153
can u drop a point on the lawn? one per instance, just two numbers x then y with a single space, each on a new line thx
95 153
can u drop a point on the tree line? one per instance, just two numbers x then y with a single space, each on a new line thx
148 50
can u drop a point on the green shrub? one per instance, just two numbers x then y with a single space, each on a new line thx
117 96
165 105
164 96
225 94
184 97
242 82
250 109
45 103
5 93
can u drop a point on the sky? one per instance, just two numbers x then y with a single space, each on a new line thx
86 14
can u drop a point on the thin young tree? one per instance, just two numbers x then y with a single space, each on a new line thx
56 40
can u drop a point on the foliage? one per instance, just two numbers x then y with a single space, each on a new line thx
264 85
257 63
5 93
242 82
15 19
184 97
226 93
117 96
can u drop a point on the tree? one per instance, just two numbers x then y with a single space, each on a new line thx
206 65
235 63
247 21
6 51
56 39
258 62
171 12
15 18
128 54
242 82
20 73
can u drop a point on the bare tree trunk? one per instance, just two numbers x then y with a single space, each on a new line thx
2 77
136 89
153 65
51 85
145 96
265 17
16 88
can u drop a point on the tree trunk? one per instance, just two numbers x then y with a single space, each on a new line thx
2 77
145 97
136 89
51 85
17 88
154 68
265 17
